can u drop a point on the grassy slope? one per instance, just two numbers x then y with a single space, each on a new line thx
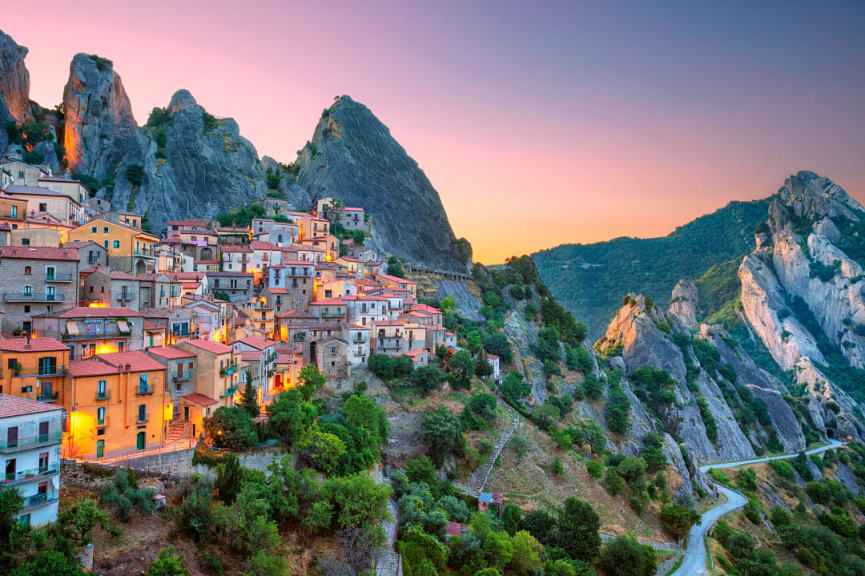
591 279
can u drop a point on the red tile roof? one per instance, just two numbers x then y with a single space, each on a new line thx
39 253
199 399
250 355
209 345
24 344
256 342
170 353
17 406
113 364
328 302
85 312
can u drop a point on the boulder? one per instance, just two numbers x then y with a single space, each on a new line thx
685 302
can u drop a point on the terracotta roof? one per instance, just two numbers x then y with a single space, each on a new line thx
191 285
328 302
427 309
262 246
24 344
114 364
250 355
85 312
37 191
256 342
232 274
235 248
17 406
274 290
209 345
297 263
199 399
153 327
293 313
39 253
170 352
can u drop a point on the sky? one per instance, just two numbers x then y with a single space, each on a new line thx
539 123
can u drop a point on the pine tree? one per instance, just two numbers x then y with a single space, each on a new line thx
249 398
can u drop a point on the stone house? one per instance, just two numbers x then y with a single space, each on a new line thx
36 281
330 358
88 331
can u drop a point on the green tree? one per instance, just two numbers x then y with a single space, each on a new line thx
358 500
322 450
422 554
290 415
362 413
427 378
624 556
462 366
229 478
10 502
497 343
311 380
678 519
167 563
577 530
394 267
474 341
442 432
527 554
231 428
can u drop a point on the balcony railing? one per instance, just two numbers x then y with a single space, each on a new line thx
30 474
57 277
104 395
229 370
29 442
183 377
145 254
144 390
143 418
40 499
32 297
229 391
48 396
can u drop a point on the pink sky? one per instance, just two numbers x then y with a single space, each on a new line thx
537 125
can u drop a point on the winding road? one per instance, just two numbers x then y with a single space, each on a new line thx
694 562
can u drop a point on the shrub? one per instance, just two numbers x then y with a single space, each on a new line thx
783 469
677 520
231 428
594 468
427 378
442 432
135 174
167 563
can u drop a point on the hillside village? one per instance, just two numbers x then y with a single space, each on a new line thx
139 339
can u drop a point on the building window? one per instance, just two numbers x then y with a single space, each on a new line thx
142 412
116 243
105 230
143 385
102 389
28 270
47 365
105 243
93 229
43 207
100 416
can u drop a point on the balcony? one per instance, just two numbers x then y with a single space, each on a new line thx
32 297
143 418
57 277
144 253
231 369
48 396
31 474
229 391
28 442
104 395
40 500
144 390
124 297
183 377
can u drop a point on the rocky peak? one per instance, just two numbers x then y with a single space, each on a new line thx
181 101
353 157
806 196
99 120
685 302
14 80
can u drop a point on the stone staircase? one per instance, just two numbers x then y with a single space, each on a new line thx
479 477
178 430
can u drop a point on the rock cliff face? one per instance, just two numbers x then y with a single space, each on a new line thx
802 293
193 164
685 301
643 333
99 122
353 158
14 80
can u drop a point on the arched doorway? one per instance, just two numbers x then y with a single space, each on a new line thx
206 254
140 267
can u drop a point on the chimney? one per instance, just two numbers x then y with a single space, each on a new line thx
128 367
28 341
